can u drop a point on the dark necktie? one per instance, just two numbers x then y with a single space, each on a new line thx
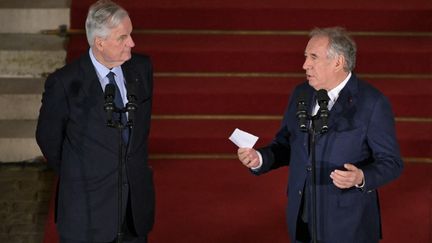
119 104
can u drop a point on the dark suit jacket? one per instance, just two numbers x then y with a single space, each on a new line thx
361 132
73 136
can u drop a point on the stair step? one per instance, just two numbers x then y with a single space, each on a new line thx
32 20
17 140
30 55
269 96
250 53
272 14
33 16
20 98
35 4
211 136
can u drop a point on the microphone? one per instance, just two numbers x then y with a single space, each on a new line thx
131 106
109 106
302 111
323 113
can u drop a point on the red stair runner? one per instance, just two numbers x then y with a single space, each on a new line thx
214 200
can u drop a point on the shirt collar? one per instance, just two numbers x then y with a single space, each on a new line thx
101 70
334 93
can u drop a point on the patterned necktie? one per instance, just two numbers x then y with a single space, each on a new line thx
119 104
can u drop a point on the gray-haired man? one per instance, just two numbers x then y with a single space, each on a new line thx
74 137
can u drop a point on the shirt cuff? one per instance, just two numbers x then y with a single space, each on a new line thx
362 185
260 162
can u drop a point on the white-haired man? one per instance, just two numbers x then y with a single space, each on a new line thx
73 135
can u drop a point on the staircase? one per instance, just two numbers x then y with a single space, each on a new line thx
26 57
221 65
226 64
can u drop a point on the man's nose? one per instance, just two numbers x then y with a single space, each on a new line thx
131 43
305 64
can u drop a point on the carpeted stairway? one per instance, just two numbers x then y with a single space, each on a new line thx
220 65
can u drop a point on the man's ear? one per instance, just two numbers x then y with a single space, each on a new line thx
340 62
98 43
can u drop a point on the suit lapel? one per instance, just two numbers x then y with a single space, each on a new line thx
345 102
132 77
129 73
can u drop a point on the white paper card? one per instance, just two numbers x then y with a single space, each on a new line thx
243 139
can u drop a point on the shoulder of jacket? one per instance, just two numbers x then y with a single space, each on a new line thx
369 90
70 69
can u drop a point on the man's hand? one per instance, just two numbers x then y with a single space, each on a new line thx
248 157
349 178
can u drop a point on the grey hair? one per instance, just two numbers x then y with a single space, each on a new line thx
340 43
103 16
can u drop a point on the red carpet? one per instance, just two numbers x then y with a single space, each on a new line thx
210 136
270 15
269 96
252 53
218 201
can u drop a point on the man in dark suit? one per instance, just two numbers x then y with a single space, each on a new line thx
73 135
358 154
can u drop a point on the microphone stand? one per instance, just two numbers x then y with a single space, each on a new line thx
313 131
322 117
130 108
121 161
312 135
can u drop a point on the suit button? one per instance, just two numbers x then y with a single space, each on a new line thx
300 192
309 168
